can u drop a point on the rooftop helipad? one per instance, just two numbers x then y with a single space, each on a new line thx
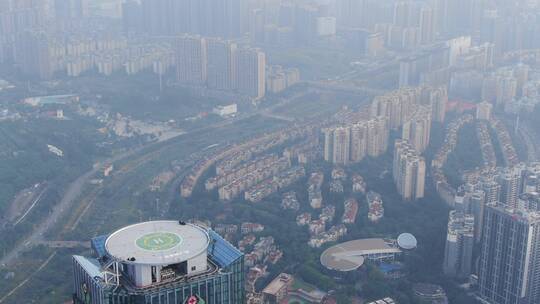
157 243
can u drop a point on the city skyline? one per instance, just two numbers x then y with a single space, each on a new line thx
269 151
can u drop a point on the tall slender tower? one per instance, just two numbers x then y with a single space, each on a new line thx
358 142
221 64
342 140
251 69
510 181
459 245
191 60
409 171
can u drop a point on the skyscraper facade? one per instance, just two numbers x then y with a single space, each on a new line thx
510 256
149 263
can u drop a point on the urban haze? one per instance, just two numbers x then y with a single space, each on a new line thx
270 151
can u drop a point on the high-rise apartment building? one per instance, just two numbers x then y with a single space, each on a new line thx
215 62
341 146
160 262
531 179
477 204
500 89
215 18
34 54
492 190
305 29
510 181
458 252
221 64
251 80
17 20
510 256
337 145
352 143
328 150
427 25
191 60
403 14
359 134
428 67
396 106
409 171
66 12
417 131
438 100
378 134
483 110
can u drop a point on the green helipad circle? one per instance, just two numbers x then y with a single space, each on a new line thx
158 241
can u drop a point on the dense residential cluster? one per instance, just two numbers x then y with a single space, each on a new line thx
505 141
283 288
278 78
226 177
502 199
350 211
528 99
252 178
445 190
410 108
486 145
314 190
272 185
290 201
376 209
358 184
111 109
229 157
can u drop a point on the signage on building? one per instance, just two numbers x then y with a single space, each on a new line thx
194 300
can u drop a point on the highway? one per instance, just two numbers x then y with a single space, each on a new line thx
72 192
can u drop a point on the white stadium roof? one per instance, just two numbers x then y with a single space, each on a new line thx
350 255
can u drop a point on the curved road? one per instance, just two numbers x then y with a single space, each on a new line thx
75 188
73 191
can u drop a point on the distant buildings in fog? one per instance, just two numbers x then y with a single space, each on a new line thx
278 78
215 63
